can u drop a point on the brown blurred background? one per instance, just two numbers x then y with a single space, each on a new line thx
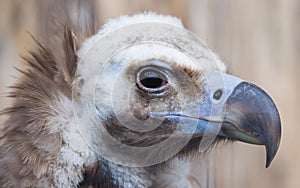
259 40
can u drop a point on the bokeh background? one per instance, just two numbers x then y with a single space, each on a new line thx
258 39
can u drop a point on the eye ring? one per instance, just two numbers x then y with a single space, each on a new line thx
152 80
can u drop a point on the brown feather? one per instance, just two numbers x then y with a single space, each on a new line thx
27 147
94 178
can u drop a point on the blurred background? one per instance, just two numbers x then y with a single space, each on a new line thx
259 40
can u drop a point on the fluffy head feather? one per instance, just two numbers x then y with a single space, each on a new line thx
71 95
41 143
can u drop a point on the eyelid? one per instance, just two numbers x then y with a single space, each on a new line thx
149 74
161 75
159 64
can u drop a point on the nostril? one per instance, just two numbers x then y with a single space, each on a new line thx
218 94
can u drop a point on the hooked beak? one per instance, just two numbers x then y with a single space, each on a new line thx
252 117
245 113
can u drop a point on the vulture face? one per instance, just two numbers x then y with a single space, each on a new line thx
142 92
160 91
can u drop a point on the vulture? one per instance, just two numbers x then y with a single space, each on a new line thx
126 106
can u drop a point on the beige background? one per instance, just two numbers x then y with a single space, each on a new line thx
258 39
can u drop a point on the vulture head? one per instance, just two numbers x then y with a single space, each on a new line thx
126 107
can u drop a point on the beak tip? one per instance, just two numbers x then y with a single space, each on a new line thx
270 154
268 162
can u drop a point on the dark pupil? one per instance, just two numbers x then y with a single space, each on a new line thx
152 82
152 79
218 94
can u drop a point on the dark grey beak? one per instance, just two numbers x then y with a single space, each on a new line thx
252 117
233 109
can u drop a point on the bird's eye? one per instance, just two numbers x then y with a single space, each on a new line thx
152 80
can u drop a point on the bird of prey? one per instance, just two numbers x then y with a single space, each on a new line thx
126 106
